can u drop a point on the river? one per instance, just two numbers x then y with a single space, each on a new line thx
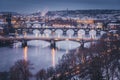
37 52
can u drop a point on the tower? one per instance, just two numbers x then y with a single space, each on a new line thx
10 30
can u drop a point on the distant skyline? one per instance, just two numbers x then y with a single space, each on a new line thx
31 6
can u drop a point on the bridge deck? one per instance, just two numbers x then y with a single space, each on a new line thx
58 28
47 39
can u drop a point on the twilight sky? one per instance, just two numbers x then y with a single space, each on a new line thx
30 6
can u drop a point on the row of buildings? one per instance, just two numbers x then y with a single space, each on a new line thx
65 18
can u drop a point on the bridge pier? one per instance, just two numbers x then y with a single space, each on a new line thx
52 44
82 44
21 31
64 33
41 31
98 33
75 33
24 43
41 25
86 32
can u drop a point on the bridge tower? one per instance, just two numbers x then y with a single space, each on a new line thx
24 43
9 29
53 44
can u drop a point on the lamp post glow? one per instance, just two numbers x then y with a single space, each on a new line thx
25 53
53 57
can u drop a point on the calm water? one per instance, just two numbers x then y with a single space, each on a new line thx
37 52
39 55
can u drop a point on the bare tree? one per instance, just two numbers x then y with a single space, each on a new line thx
41 75
20 71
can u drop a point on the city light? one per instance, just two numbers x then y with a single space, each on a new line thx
25 51
60 45
53 57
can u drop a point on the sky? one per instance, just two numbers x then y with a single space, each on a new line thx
31 6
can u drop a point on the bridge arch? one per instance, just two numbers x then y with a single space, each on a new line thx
28 25
92 33
36 32
35 24
47 32
88 44
59 32
41 43
81 33
70 32
67 44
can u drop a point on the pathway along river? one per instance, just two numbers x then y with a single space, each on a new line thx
37 52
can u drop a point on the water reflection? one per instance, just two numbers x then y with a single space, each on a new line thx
67 51
39 52
25 50
53 57
67 45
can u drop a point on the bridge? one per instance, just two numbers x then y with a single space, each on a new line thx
48 39
52 29
36 22
64 30
76 30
